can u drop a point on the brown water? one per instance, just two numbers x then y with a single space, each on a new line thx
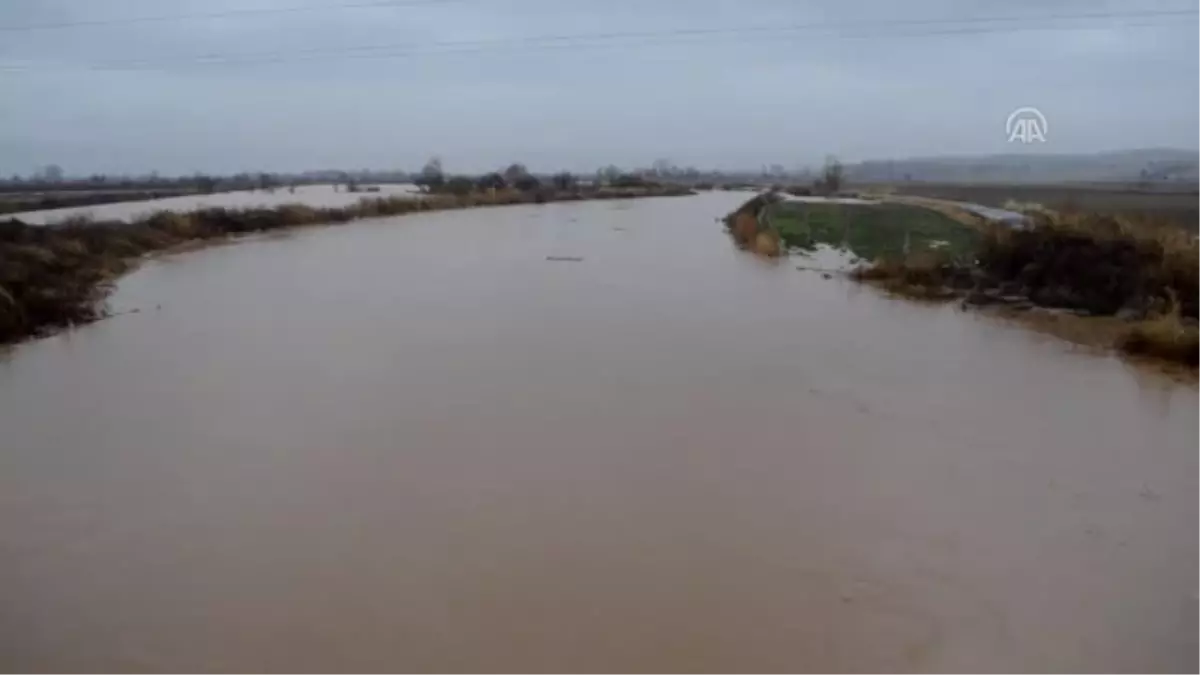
416 444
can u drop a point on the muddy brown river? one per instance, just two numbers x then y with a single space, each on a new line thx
416 444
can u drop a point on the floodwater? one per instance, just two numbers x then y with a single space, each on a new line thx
992 213
415 444
818 199
309 195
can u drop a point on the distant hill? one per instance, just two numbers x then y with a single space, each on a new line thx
1148 166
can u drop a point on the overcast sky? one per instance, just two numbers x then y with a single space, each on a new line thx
856 78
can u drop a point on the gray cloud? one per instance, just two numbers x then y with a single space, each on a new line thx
893 89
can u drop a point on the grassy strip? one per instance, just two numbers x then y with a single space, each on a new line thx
870 231
57 276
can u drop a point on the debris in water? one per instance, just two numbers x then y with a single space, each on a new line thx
564 258
1149 494
825 271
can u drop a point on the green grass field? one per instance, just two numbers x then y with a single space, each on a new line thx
871 231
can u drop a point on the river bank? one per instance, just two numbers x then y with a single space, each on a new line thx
1106 281
56 276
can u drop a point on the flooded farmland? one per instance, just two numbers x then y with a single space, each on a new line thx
308 195
579 436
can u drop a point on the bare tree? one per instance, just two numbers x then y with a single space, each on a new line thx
206 184
432 175
515 172
564 181
608 174
832 177
460 185
492 181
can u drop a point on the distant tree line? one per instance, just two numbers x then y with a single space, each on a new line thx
431 177
516 176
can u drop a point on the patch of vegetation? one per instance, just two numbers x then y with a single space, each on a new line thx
1127 284
1165 338
930 275
630 180
870 231
1096 263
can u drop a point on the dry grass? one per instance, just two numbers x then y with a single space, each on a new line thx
1167 337
946 208
924 275
767 243
1164 338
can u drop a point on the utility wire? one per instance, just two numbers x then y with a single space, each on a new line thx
656 38
361 4
225 14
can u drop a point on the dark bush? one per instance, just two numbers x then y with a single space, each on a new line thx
491 181
460 185
527 183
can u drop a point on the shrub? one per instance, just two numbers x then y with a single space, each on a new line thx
491 181
1165 338
767 243
564 181
527 183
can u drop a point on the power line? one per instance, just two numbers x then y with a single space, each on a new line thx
225 14
655 38
361 4
774 28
